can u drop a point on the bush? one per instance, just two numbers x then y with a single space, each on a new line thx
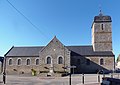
60 72
44 71
33 72
65 74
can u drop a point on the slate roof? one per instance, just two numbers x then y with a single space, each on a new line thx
24 51
1 58
75 50
102 18
88 51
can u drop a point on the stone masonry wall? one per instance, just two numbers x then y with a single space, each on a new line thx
0 67
54 49
95 64
23 68
102 36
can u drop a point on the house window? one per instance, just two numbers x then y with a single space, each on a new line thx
28 62
19 62
101 61
37 61
60 60
10 62
87 61
78 61
48 60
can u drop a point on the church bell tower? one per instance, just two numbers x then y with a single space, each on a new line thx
102 33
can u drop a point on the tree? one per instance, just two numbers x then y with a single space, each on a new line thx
118 58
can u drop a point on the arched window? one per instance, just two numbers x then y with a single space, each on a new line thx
88 61
10 62
60 60
37 61
19 62
48 60
28 61
101 61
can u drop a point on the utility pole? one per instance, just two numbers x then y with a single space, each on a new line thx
4 72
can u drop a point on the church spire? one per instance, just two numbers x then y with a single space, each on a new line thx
100 14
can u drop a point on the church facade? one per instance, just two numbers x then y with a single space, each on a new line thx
55 58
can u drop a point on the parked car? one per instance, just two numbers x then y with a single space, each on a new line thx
105 72
110 81
105 81
117 71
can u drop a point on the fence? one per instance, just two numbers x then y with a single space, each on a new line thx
76 79
91 78
1 78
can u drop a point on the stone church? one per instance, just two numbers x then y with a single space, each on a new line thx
55 58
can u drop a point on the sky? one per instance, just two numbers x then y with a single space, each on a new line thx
69 20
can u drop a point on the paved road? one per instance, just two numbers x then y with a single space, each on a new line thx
34 80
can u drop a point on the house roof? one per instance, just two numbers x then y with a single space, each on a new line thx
75 50
102 19
24 51
88 51
1 59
